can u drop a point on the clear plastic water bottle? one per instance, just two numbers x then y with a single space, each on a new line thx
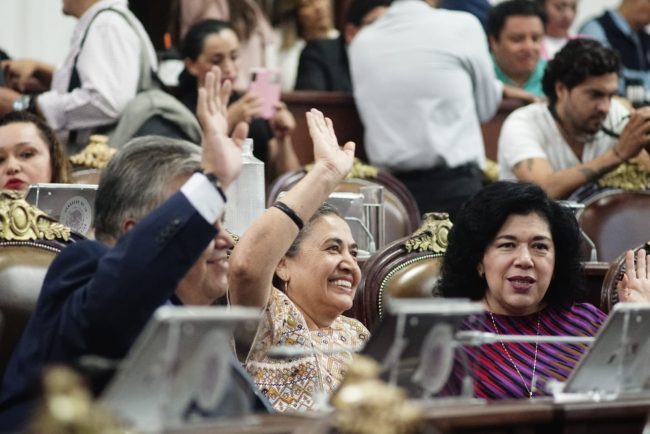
246 195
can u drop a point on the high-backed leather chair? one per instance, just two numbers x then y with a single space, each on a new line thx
407 268
402 215
29 241
616 221
609 291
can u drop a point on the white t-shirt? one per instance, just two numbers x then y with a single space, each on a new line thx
531 132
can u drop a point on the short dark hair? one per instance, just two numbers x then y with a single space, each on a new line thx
58 159
480 219
359 9
578 60
137 180
192 44
502 11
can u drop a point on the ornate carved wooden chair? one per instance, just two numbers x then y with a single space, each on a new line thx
616 221
29 241
408 268
609 291
402 216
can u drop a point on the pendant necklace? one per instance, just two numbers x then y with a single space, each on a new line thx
532 379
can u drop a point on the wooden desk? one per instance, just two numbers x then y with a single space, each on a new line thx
512 417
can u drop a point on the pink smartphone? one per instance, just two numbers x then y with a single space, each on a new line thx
265 83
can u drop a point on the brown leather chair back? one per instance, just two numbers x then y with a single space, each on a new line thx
407 268
616 221
29 241
609 291
402 216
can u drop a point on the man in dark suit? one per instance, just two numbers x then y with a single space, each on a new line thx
324 62
159 246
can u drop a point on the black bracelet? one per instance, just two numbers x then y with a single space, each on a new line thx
214 181
290 213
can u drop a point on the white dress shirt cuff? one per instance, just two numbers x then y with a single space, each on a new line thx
204 197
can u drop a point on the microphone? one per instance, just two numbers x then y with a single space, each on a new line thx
472 337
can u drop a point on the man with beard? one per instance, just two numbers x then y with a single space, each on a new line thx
581 133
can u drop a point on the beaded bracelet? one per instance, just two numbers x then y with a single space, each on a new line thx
290 213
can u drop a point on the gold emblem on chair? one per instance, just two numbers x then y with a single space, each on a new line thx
628 176
95 155
20 221
431 236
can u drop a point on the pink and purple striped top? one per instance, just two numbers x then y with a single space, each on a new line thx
494 375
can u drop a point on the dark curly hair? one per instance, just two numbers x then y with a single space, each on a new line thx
58 159
480 219
578 60
500 13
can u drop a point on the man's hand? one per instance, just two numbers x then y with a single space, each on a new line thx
283 122
27 75
243 110
221 155
520 94
635 286
326 147
7 98
635 135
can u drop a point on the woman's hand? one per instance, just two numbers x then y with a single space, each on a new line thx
221 155
282 122
243 110
326 147
635 286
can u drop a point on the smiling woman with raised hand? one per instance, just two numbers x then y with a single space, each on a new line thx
307 249
517 250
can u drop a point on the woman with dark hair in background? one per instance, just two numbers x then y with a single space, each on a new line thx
214 42
248 22
517 251
29 152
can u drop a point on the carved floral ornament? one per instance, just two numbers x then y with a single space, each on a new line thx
96 154
20 221
629 176
431 236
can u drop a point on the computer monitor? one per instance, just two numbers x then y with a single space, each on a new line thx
618 362
71 204
415 341
181 370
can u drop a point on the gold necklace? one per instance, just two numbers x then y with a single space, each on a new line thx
532 379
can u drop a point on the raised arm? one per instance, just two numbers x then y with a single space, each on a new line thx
221 155
258 252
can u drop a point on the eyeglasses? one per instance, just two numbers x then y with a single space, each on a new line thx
615 130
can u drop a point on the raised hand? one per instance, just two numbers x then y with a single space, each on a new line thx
221 155
326 146
244 109
26 75
635 286
282 122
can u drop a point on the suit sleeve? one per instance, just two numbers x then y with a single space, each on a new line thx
131 280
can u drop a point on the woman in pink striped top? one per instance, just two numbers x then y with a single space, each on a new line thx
518 251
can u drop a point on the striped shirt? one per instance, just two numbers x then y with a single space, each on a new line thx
493 368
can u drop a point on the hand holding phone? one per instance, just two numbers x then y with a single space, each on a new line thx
265 83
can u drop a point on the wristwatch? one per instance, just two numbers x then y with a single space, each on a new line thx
214 181
22 103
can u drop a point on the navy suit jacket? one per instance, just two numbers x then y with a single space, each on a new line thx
96 300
